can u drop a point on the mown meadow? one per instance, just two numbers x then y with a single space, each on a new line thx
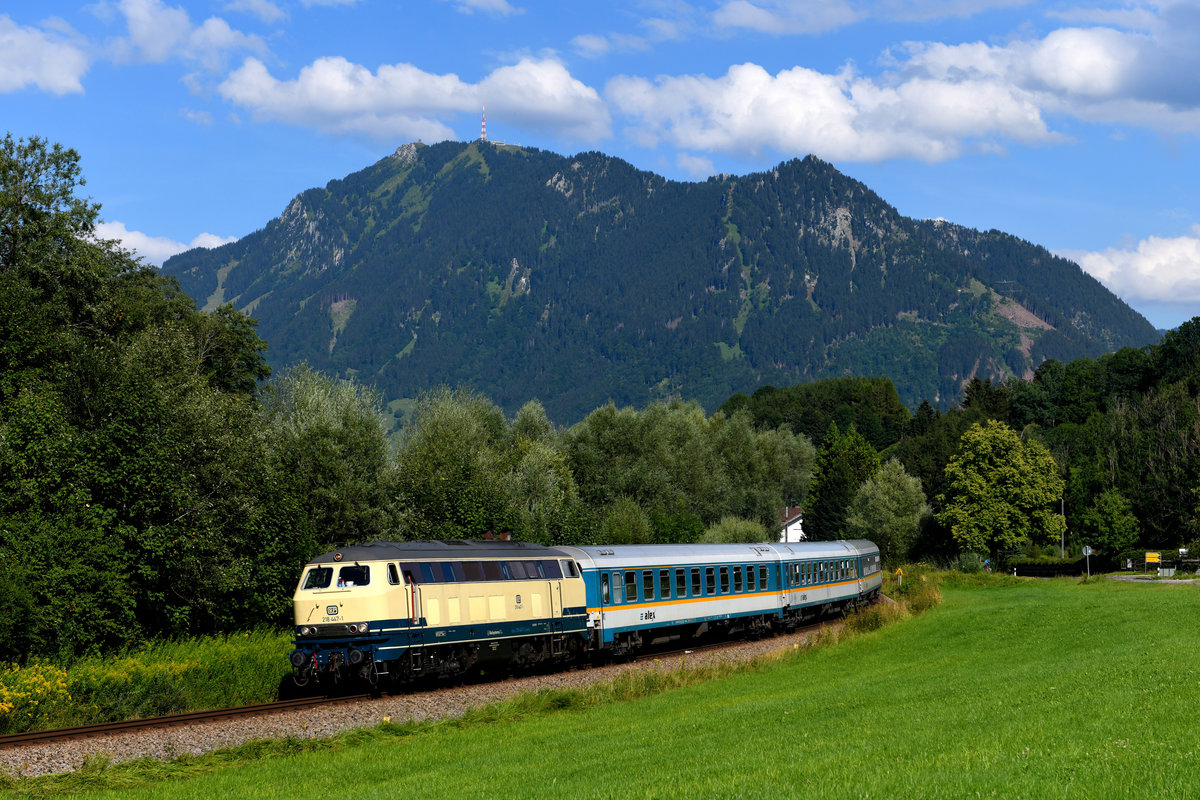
1009 688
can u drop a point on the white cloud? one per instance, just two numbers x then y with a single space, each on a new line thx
158 32
591 45
200 117
265 10
837 116
400 100
156 249
494 7
696 166
33 57
1159 269
786 16
933 101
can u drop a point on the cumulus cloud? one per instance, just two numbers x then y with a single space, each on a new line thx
1159 269
41 58
156 249
338 96
158 32
932 101
839 116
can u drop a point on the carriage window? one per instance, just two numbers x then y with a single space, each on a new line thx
737 579
549 569
630 586
318 578
695 581
724 580
680 583
569 569
393 574
648 585
710 580
750 587
762 575
604 596
664 583
354 576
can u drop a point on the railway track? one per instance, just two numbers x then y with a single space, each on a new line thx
83 731
16 740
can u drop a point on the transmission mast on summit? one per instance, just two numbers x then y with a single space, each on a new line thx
483 125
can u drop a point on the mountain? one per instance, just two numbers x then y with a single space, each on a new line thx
577 280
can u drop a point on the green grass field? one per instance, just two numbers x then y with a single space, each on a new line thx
1038 689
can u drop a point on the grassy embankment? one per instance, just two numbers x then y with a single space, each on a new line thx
1010 689
163 678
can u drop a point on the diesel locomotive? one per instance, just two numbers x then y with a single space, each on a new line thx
402 610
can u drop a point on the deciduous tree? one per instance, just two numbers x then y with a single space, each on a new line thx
1001 492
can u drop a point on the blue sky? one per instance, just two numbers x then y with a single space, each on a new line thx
1073 125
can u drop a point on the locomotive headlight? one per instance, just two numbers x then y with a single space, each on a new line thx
298 659
305 630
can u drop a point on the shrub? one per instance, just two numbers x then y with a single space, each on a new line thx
876 616
928 597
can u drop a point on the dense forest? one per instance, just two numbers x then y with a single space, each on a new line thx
578 280
157 479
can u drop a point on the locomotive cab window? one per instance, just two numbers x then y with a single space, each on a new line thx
569 569
393 574
318 578
354 576
549 569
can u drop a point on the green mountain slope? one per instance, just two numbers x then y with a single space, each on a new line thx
580 279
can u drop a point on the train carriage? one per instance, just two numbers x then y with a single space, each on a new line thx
638 594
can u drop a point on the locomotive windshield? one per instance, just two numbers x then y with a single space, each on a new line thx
354 576
318 578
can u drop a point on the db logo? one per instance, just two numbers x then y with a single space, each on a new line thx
331 610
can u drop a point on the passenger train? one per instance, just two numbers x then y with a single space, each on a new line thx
402 610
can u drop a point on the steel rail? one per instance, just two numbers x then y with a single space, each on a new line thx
81 731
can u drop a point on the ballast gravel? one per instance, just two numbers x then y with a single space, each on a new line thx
317 722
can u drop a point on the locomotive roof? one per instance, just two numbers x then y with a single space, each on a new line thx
436 550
